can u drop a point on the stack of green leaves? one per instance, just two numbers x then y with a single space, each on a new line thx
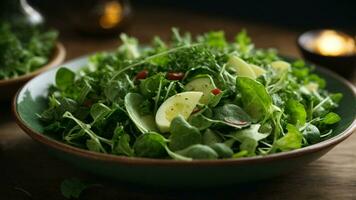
202 98
23 49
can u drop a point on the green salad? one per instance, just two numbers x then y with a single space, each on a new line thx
203 98
24 49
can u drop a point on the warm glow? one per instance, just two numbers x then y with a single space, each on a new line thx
332 43
112 15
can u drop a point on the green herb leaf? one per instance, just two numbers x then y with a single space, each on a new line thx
296 112
64 78
183 134
198 152
231 115
292 140
255 99
151 145
72 188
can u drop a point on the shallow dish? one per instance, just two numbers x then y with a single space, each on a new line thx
9 87
169 173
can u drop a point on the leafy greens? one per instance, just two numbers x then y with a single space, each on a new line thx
257 105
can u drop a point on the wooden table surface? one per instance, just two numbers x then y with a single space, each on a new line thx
28 172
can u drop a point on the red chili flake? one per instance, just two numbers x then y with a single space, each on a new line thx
142 74
175 75
216 91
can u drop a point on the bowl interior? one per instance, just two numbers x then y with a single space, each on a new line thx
31 99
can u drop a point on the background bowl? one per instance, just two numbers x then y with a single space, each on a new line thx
31 99
344 65
9 87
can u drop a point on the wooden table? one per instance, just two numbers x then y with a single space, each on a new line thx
28 172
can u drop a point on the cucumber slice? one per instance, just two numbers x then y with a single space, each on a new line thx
241 67
202 84
259 71
179 104
280 66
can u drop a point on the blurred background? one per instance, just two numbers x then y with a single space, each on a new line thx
87 26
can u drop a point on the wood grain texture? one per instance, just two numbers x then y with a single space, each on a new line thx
28 172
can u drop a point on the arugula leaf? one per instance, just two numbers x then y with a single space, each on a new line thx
249 138
255 99
99 111
183 134
121 142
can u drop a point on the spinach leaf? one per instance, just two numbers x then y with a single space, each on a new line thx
199 151
255 99
222 150
210 137
183 134
151 145
199 119
231 115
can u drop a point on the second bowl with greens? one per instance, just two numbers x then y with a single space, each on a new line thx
172 112
25 51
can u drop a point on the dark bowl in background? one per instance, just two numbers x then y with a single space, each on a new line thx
344 64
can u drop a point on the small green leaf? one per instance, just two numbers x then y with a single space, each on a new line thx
64 78
222 150
232 115
99 111
183 134
255 99
312 134
249 138
151 145
199 151
121 142
93 145
296 112
292 140
198 120
330 118
72 188
210 137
